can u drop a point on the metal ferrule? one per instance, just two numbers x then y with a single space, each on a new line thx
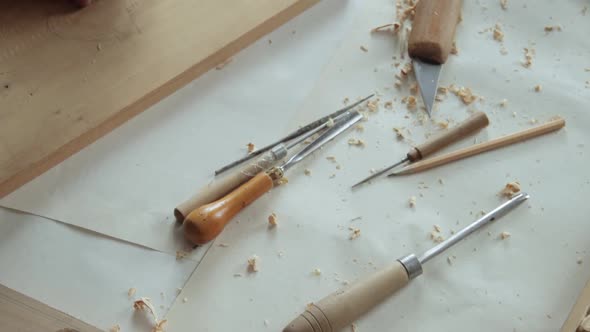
279 151
412 265
276 173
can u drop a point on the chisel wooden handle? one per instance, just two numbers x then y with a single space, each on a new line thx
483 147
431 38
343 307
219 187
205 223
475 122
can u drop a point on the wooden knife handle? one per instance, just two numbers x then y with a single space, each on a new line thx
343 307
205 223
219 187
433 30
475 122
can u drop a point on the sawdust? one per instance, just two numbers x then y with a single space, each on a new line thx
584 325
538 88
223 245
411 102
272 220
373 105
145 304
253 264
131 292
443 124
412 202
354 233
180 254
529 56
504 235
414 89
364 49
316 272
392 28
331 158
504 4
551 28
388 105
399 134
356 142
511 189
345 101
359 127
282 181
503 103
353 327
498 33
115 328
465 94
250 147
330 123
307 172
579 261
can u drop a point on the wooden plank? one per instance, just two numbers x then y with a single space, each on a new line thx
579 311
68 77
21 313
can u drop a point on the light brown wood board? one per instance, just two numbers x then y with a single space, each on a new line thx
580 310
68 77
21 313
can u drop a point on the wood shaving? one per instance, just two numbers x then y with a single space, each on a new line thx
373 105
272 220
505 235
449 260
180 254
338 166
353 327
307 171
388 105
511 189
223 245
115 328
551 28
412 202
414 89
443 124
356 142
529 55
397 84
330 123
538 88
584 325
406 70
399 133
579 261
498 34
253 264
131 292
145 304
355 233
224 63
98 47
345 101
238 275
503 102
533 121
504 4
316 272
454 49
466 96
441 181
437 228
282 181
364 49
411 102
436 237
392 28
359 127
250 147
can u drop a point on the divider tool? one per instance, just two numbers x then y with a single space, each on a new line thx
205 223
475 122
344 306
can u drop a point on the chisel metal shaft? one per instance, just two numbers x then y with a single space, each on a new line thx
343 307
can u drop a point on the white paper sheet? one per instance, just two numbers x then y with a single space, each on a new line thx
127 184
84 274
527 282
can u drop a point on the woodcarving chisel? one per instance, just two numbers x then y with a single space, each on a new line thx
430 43
341 308
205 223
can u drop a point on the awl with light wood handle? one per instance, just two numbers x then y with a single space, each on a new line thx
475 122
340 309
206 222
430 43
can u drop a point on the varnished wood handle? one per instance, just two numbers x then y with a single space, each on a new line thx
431 38
219 187
475 122
205 223
343 307
483 147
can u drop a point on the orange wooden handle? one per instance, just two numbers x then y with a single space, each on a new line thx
433 29
205 223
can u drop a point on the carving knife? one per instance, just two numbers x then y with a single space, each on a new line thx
430 43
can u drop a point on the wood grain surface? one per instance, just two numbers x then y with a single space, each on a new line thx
68 77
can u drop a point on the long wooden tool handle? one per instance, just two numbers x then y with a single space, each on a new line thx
483 147
433 29
475 122
219 187
343 307
579 317
205 223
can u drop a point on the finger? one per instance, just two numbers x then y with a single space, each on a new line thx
83 3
